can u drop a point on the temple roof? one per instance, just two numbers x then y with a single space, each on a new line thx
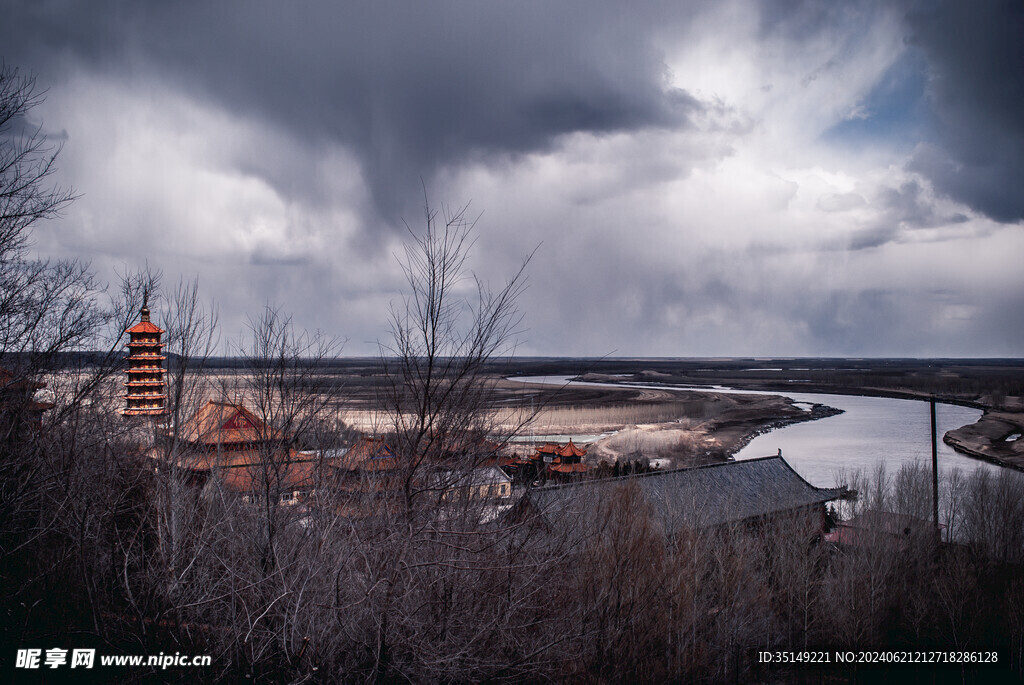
291 475
225 423
696 497
369 454
139 411
570 450
145 327
569 468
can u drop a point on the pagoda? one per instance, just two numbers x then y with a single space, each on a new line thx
551 460
146 387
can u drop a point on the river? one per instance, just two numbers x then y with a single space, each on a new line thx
870 430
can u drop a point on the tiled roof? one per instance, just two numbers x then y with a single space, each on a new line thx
569 468
145 327
695 497
288 476
225 423
369 454
570 450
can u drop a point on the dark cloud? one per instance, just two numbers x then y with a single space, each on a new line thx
872 236
906 207
909 206
266 144
410 87
976 55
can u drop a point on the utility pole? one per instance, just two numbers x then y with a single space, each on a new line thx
935 472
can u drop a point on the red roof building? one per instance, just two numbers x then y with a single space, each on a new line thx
290 481
225 426
227 434
369 455
249 458
551 460
146 388
570 453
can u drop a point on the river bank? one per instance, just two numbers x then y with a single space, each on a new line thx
996 437
681 427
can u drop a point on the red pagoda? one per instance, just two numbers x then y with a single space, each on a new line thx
146 387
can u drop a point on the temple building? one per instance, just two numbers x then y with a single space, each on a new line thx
146 386
550 461
696 498
567 459
227 440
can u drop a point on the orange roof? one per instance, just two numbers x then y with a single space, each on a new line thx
152 411
369 454
570 450
249 477
145 327
569 468
226 423
558 451
202 460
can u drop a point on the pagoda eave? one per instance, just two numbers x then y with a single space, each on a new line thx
144 412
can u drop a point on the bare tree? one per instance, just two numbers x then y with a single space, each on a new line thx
67 478
449 325
26 160
44 308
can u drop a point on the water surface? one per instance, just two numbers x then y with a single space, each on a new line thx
869 431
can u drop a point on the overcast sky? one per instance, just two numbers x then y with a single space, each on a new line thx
711 178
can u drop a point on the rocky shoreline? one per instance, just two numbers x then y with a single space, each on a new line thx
818 411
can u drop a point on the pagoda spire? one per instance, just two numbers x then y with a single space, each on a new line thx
146 387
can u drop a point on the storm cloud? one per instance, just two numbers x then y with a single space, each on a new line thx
408 87
976 150
702 178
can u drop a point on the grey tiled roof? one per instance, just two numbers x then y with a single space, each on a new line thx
702 496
